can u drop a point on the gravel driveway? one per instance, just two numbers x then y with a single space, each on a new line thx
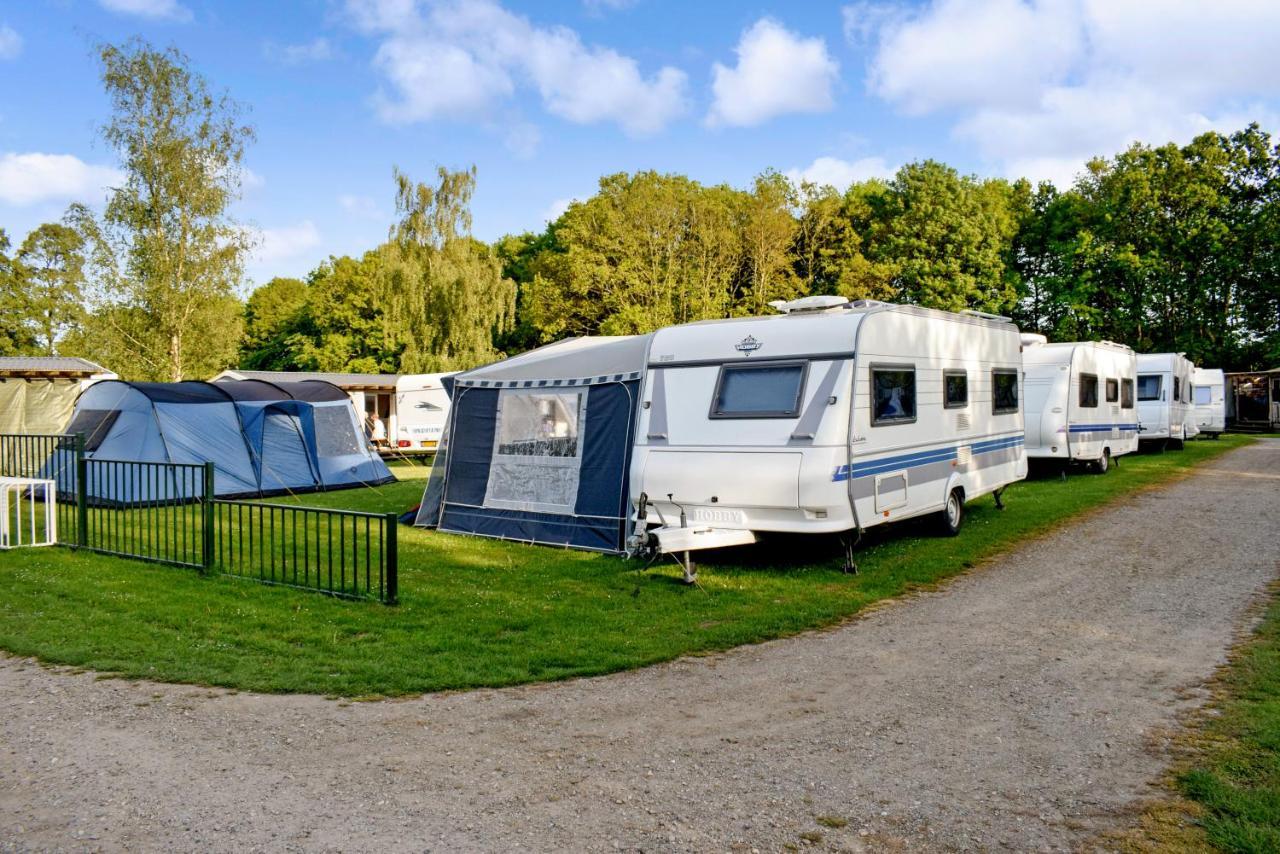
1023 706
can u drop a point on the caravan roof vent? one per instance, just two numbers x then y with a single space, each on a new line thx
1033 339
988 315
811 304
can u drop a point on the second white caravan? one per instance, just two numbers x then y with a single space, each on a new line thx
830 417
1210 401
1164 397
1080 401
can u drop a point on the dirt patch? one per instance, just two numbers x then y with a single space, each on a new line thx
1016 707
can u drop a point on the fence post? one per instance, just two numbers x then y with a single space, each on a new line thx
393 561
82 495
206 510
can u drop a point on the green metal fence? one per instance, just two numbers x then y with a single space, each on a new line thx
49 457
166 513
339 552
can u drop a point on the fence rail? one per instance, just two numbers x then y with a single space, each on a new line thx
167 513
340 552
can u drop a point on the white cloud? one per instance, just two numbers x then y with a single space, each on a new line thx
1039 87
316 50
778 72
834 172
250 180
363 207
556 209
36 177
522 139
158 9
285 243
10 42
458 59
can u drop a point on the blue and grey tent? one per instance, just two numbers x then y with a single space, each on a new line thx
260 439
538 446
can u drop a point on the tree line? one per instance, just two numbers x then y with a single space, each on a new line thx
1160 247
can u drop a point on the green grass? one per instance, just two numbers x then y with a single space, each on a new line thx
1235 776
478 612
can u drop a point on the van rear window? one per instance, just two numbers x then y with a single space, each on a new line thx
759 390
1149 386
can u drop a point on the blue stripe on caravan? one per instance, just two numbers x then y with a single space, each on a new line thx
1100 428
922 458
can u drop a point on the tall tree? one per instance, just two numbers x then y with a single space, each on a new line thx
168 256
768 235
446 296
275 315
15 333
50 267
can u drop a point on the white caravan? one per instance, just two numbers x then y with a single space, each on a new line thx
1210 401
831 417
1164 397
1080 400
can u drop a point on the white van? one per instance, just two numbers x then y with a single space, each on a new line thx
1210 401
830 417
1080 400
1164 397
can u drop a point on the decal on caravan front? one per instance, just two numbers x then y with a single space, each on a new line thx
830 417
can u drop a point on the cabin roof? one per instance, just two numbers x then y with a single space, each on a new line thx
49 366
344 381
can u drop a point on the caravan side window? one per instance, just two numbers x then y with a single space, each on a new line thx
759 390
1126 394
1088 391
1113 390
955 387
893 394
1149 386
1177 388
1004 391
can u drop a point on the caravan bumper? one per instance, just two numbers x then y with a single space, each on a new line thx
675 540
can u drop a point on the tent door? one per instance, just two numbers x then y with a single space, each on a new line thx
285 461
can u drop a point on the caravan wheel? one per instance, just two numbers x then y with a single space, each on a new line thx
951 517
1103 465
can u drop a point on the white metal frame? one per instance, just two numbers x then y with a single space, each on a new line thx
12 491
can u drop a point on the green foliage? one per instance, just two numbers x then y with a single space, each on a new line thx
167 259
478 612
15 333
273 316
49 273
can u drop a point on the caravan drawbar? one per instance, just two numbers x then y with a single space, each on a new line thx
829 417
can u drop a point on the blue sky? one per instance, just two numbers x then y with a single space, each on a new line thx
544 98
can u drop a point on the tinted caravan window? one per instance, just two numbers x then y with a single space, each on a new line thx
956 389
1126 394
1204 395
1004 391
893 395
1177 388
1113 391
1088 391
1149 386
760 390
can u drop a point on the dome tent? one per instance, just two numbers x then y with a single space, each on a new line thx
260 439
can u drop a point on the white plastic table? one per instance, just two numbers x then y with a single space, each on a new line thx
31 492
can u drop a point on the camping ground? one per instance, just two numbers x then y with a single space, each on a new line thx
1029 704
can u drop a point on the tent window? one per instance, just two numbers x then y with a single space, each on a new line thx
538 451
1113 391
94 425
1004 391
1126 394
956 386
335 434
1149 386
761 390
893 392
1088 391
1204 395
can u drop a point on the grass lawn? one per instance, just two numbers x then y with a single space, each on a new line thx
478 612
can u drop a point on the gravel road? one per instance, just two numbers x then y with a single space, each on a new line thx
1023 706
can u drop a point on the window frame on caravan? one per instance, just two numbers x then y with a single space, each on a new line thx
1088 381
1017 395
893 367
1159 394
1113 389
952 373
1177 388
1128 395
717 411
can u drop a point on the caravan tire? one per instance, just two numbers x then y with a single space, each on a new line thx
951 517
1103 465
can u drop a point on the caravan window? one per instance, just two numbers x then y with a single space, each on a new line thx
1126 394
1004 391
539 425
1149 386
759 390
1204 395
1113 391
955 386
893 395
1088 391
1177 388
